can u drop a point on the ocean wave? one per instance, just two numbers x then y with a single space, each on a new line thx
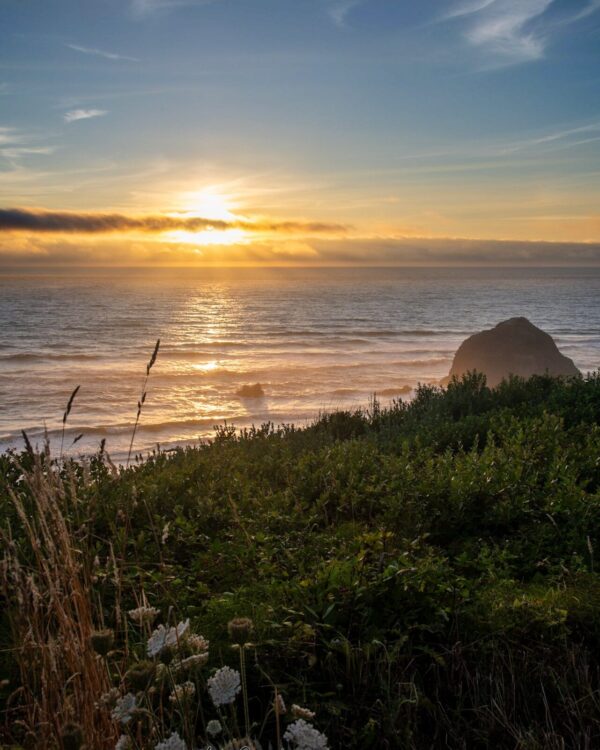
402 390
107 430
396 391
422 362
42 356
346 392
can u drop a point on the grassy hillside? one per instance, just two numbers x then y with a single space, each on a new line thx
421 576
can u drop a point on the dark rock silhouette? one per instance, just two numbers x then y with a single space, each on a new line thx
251 391
513 347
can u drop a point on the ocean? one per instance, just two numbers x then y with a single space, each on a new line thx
315 339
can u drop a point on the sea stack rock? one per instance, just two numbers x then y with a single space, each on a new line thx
513 347
251 391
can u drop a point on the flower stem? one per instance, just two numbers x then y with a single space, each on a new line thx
244 688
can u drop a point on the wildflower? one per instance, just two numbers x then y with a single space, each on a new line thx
240 629
102 641
123 711
163 638
194 661
72 736
123 743
303 713
197 643
165 532
157 641
143 615
224 686
174 635
303 736
183 692
189 664
279 705
214 727
174 742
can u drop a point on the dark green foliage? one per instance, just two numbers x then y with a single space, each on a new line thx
424 574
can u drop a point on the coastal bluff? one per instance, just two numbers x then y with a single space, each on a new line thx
513 347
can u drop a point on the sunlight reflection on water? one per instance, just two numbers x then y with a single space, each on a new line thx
315 339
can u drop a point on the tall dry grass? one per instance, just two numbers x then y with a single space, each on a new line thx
46 582
142 399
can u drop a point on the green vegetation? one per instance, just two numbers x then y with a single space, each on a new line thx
421 576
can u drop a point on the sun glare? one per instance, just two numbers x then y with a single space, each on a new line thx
209 204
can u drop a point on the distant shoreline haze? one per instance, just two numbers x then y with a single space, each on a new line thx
64 253
175 271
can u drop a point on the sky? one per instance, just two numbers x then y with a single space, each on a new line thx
300 132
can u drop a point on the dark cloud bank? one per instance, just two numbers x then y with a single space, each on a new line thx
45 239
66 222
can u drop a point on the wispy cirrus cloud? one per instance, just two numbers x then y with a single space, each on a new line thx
590 8
14 144
17 152
101 53
67 222
10 136
143 8
340 9
74 115
510 32
569 137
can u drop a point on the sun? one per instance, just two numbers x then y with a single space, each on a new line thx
209 204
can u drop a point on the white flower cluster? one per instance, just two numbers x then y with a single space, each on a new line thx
143 615
124 708
303 736
224 686
163 638
173 742
183 692
198 643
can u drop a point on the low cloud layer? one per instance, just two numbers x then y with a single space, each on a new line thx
66 222
28 252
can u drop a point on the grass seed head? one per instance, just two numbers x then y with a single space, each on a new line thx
240 629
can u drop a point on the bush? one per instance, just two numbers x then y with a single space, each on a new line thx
425 575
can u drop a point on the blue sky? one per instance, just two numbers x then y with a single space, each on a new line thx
470 119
